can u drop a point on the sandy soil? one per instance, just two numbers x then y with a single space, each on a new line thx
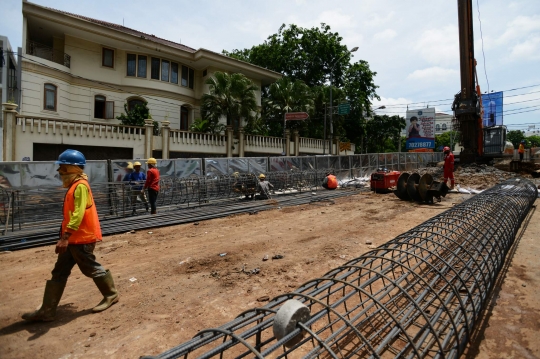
182 284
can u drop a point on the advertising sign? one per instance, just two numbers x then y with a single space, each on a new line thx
493 109
420 129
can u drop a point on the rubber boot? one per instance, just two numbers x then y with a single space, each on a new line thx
51 298
105 285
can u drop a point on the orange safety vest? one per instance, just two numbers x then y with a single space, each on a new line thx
89 230
521 148
332 181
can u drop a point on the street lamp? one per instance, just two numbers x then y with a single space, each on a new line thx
354 49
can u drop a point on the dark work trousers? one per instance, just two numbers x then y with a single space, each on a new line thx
152 198
83 256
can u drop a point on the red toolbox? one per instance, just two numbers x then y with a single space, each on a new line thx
384 179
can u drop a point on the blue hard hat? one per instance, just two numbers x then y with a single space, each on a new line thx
71 157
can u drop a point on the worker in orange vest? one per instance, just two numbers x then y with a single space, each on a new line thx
448 167
330 181
521 150
78 236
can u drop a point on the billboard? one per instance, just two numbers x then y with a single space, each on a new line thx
420 129
493 109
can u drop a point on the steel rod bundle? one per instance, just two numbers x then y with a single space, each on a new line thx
27 208
175 215
416 296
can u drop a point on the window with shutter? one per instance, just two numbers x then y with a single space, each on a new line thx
155 68
109 109
141 68
131 64
165 70
49 100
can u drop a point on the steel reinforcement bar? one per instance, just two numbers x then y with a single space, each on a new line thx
215 209
417 296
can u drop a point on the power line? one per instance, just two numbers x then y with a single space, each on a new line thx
482 38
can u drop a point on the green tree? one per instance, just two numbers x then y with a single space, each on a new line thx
445 139
360 90
301 54
534 141
136 116
286 95
382 129
515 136
231 96
310 55
205 126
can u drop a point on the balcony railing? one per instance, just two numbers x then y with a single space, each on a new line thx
48 53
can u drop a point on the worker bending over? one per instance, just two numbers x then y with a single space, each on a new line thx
264 187
448 167
79 233
330 181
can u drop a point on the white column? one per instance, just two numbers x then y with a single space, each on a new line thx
230 142
148 137
165 138
10 123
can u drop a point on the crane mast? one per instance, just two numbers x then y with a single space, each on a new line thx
467 103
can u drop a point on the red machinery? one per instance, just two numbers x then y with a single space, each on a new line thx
383 179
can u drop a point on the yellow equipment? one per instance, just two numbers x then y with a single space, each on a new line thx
137 163
130 166
151 161
262 176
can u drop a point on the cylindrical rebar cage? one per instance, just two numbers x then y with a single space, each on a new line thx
417 296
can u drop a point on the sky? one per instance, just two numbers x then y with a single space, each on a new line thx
412 45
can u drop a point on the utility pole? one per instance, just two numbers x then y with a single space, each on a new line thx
466 109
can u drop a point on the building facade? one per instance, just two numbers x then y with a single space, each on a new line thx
81 69
9 87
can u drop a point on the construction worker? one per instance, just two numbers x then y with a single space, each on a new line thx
448 167
152 184
129 169
136 178
521 149
330 181
79 233
264 187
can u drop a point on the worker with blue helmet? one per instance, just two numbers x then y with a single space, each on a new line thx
80 230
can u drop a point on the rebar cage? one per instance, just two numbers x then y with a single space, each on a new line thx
416 296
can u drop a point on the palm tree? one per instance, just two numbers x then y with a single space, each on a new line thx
231 95
286 95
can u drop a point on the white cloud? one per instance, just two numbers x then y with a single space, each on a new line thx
376 20
336 19
439 46
520 28
385 35
435 73
527 50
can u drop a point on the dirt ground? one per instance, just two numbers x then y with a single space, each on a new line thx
181 284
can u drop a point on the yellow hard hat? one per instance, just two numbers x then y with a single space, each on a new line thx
236 174
151 161
261 176
137 163
130 166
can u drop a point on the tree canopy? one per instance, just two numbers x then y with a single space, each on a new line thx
310 55
515 136
231 96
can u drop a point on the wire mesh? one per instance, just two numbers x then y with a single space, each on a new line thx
416 296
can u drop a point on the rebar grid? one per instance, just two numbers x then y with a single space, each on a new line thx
48 234
416 296
28 208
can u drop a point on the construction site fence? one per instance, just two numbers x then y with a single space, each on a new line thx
31 195
43 174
